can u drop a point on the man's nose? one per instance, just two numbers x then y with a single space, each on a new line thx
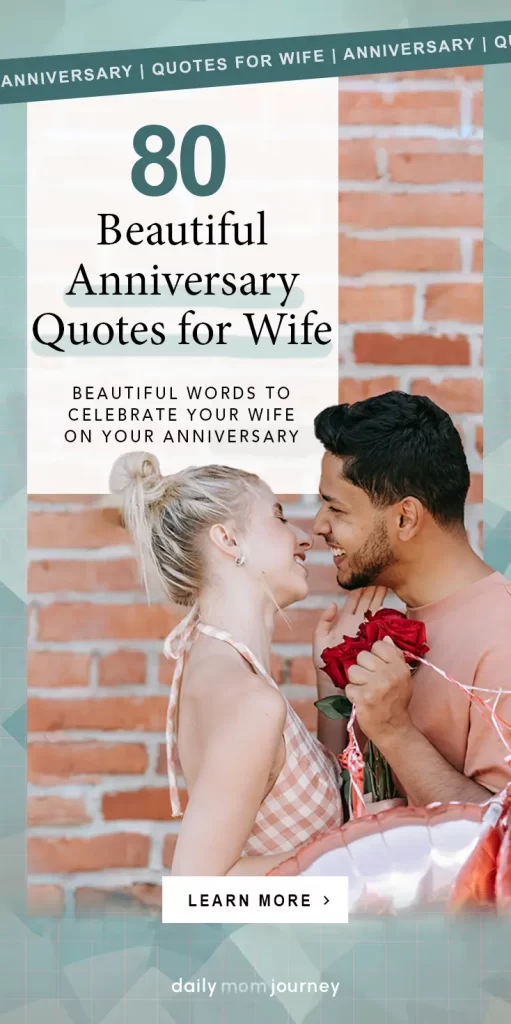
319 525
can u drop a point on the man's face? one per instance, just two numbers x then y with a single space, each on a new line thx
356 532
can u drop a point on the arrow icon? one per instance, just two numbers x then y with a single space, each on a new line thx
326 899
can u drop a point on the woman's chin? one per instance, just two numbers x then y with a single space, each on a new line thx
298 592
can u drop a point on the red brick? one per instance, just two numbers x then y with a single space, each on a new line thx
475 494
411 349
477 109
144 804
289 499
321 579
79 576
357 159
454 302
127 667
428 108
56 668
161 765
302 623
146 714
453 395
45 900
357 390
307 712
375 210
303 672
56 810
477 256
169 846
434 168
50 763
96 528
105 622
276 667
95 853
376 302
479 440
133 899
363 256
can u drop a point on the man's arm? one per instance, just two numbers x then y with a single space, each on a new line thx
425 775
380 686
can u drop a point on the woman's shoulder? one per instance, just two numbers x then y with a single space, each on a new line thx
222 677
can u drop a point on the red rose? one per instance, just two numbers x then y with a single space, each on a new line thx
339 659
408 634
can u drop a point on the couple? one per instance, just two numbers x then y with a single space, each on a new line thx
394 481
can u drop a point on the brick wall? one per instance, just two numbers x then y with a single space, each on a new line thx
410 312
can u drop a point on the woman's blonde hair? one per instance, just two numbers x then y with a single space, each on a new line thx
168 515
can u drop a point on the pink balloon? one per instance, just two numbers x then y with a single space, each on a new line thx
449 857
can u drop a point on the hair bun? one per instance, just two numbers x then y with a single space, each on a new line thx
133 468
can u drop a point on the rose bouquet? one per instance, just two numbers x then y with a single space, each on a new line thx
407 634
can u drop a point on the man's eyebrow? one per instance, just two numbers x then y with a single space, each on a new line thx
278 507
333 501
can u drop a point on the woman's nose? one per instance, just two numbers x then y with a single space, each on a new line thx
304 540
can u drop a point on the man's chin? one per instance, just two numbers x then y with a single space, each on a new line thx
346 582
353 582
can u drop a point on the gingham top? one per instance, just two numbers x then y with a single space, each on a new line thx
305 798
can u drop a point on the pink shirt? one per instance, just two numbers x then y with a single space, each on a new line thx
469 636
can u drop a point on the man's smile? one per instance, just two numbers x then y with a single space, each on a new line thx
338 555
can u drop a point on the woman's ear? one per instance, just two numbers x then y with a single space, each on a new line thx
223 537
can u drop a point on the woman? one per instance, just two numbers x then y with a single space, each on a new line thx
259 784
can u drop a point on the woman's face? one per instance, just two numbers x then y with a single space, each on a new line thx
275 550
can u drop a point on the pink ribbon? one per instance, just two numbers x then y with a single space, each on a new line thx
352 759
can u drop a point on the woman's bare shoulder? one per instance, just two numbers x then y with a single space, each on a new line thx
222 677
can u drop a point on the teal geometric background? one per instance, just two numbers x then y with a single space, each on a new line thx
119 970
497 319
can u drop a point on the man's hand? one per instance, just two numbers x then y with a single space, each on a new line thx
335 623
380 685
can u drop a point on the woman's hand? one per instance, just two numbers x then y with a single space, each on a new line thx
335 623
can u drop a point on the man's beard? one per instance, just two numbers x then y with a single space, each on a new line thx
371 561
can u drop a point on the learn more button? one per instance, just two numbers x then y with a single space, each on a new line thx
272 900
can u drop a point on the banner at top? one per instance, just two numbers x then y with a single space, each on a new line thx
72 76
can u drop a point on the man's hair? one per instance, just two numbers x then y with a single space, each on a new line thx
397 445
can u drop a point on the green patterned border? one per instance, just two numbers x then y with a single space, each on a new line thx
119 970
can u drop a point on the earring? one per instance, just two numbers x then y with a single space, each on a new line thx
240 560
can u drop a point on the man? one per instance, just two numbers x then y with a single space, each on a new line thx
393 487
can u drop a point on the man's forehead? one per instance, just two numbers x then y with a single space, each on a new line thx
333 485
332 469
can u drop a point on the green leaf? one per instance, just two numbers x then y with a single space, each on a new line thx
335 706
